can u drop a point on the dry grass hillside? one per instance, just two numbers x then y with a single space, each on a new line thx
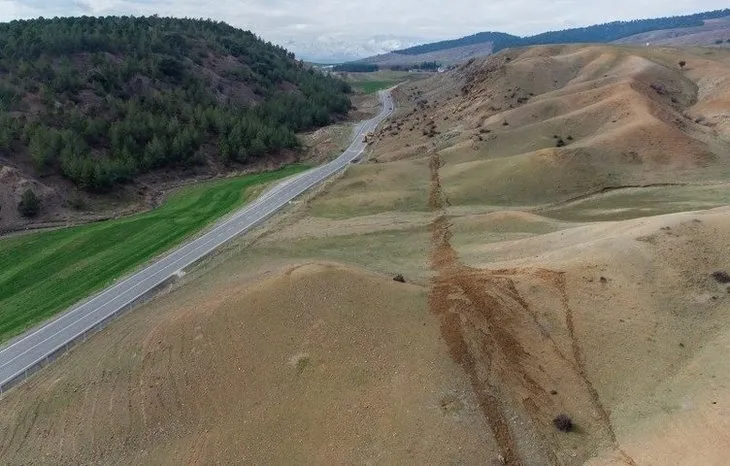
303 366
588 280
549 125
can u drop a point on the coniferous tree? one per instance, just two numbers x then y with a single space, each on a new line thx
29 205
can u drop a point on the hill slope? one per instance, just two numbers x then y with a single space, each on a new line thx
485 43
206 386
99 101
533 170
591 119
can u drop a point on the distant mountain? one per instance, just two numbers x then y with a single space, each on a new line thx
499 39
443 57
485 43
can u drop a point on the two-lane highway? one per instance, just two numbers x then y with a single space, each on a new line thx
31 349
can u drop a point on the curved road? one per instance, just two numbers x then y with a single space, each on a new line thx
30 350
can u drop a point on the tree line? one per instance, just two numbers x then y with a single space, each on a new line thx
424 66
600 33
356 67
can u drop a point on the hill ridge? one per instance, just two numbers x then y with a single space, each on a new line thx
609 32
485 43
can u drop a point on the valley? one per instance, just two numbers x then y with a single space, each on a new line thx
559 217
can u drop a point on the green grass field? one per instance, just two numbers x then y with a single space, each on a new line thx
371 87
46 272
369 83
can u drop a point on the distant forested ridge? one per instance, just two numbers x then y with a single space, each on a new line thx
600 33
356 68
100 100
479 38
427 66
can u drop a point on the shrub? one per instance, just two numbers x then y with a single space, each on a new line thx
721 277
29 205
399 278
659 88
682 64
563 423
76 202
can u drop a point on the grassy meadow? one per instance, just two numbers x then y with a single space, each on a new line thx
46 272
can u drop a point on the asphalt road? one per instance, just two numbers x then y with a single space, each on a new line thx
28 351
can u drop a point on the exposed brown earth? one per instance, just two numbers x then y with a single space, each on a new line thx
496 336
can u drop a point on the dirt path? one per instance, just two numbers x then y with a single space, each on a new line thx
523 371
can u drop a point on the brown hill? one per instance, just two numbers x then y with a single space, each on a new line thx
361 379
549 124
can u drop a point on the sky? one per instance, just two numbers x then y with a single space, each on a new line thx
356 28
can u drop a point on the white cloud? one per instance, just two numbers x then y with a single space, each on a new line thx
10 10
355 22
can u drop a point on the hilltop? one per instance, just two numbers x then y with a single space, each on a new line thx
91 105
704 28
